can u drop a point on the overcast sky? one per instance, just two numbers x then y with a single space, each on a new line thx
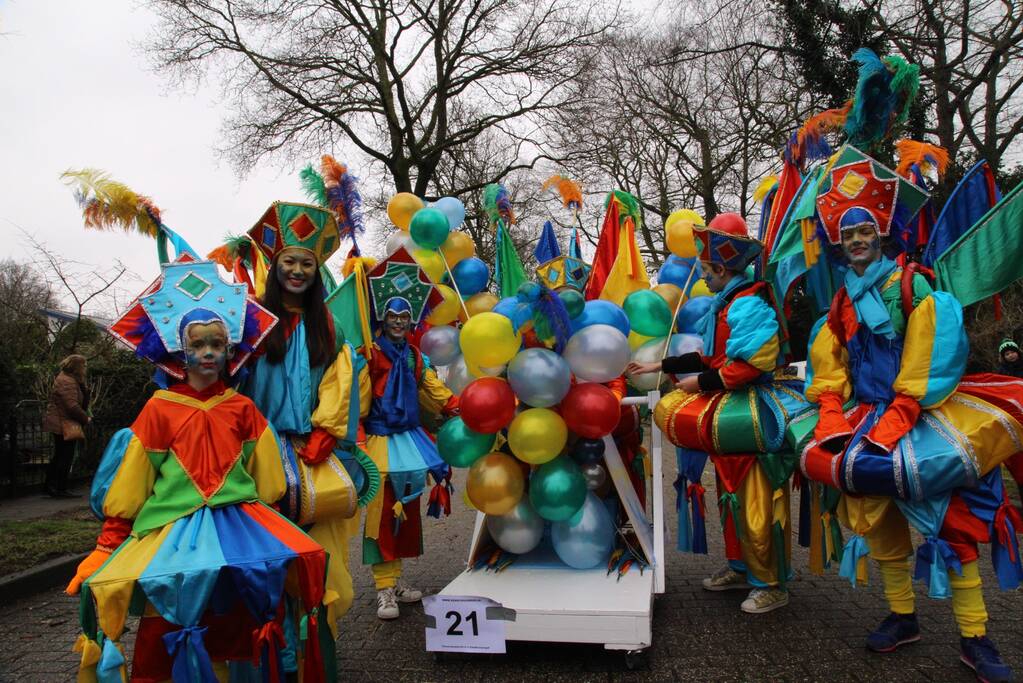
76 92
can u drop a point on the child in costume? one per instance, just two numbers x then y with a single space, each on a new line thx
900 430
733 409
312 386
189 541
403 383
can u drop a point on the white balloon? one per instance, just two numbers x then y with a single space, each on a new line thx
458 376
440 344
399 238
685 343
597 353
649 352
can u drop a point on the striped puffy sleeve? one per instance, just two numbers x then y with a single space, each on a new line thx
265 464
753 346
122 484
828 383
434 395
341 395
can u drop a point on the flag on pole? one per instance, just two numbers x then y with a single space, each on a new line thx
509 271
628 273
607 250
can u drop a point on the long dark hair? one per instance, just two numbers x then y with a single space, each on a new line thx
319 338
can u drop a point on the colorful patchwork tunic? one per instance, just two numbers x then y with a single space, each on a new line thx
197 550
898 423
739 418
401 449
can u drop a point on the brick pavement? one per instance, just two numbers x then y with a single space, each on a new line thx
697 635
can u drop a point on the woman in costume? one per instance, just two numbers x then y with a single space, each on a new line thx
899 429
312 386
403 383
189 540
733 409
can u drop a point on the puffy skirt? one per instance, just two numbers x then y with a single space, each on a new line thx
952 446
235 560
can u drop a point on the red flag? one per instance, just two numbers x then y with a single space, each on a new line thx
607 251
788 184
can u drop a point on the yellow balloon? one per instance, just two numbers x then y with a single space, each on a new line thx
478 303
446 311
684 215
465 499
488 340
457 247
537 435
678 237
700 289
401 208
495 484
637 340
670 293
431 262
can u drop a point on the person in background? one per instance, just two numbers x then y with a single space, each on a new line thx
66 416
1010 361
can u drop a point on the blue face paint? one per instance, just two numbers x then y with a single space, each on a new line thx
206 349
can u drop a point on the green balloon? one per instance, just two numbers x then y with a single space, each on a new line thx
573 301
648 313
429 228
557 489
459 446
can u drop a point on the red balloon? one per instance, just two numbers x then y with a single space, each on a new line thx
590 410
487 405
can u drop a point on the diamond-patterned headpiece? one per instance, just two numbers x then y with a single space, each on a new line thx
296 225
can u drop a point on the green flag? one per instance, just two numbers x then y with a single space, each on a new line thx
989 256
343 304
510 273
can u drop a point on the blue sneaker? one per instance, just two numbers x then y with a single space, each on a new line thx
981 655
895 630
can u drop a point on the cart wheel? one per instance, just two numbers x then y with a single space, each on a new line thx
635 659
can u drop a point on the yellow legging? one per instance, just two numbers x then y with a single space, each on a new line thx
386 574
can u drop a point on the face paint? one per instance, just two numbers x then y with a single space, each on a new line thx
397 325
296 269
714 275
861 245
206 350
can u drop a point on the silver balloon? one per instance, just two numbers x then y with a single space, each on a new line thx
539 377
399 238
586 539
685 343
458 376
518 531
648 352
595 474
440 344
597 353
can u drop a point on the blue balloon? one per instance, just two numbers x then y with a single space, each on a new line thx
516 311
471 276
691 313
600 312
453 209
585 540
675 271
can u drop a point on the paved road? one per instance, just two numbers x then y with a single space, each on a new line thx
697 635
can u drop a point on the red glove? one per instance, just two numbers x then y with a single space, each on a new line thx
318 447
832 424
896 421
451 408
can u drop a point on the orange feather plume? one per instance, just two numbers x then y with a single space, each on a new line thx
331 170
924 154
571 193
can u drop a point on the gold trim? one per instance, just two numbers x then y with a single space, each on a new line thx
181 399
754 410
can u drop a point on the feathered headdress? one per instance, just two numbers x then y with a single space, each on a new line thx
107 204
764 188
497 204
571 193
808 143
884 92
922 154
333 187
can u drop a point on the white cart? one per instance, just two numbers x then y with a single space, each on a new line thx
563 605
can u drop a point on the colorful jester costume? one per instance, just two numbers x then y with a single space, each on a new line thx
740 412
314 409
403 383
899 429
189 539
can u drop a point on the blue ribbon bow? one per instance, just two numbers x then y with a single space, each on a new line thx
855 548
934 559
191 661
108 669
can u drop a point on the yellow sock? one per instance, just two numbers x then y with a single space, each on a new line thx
386 574
898 585
968 601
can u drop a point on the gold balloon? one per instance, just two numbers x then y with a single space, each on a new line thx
678 237
495 484
700 289
446 311
402 207
670 293
488 340
431 262
478 303
637 340
465 499
457 247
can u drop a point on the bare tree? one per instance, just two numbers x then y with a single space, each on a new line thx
403 82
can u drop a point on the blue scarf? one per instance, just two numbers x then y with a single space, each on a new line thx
708 323
398 409
865 293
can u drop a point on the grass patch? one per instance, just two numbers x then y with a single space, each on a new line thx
25 544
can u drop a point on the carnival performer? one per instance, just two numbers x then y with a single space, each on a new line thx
729 405
901 431
190 541
313 387
403 383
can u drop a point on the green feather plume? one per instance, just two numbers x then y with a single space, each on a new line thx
313 186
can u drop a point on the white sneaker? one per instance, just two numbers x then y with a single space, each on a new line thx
726 579
387 606
406 594
763 600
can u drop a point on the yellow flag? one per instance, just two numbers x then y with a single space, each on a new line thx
628 273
